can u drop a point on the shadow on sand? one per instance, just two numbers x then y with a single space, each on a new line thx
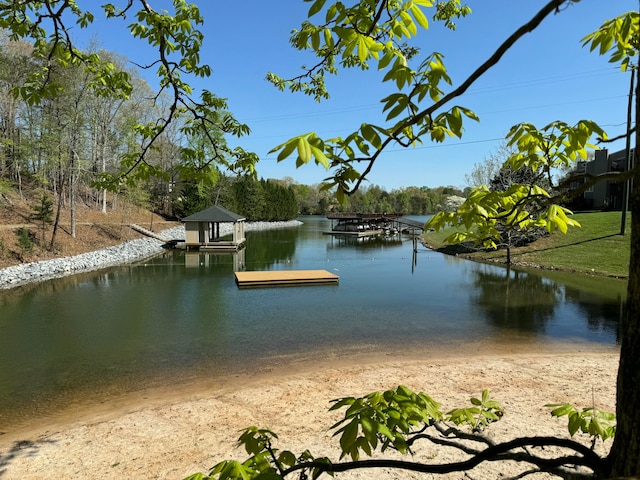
26 448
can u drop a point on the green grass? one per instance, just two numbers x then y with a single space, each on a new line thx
595 248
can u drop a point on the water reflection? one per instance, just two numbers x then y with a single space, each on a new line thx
266 250
601 317
180 315
515 300
375 242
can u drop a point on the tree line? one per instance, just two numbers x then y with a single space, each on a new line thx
284 199
412 200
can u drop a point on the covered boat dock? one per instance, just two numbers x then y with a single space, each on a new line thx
368 224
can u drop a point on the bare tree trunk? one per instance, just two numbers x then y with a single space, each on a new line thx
72 191
56 222
625 452
104 169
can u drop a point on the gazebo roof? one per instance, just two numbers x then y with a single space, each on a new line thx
215 214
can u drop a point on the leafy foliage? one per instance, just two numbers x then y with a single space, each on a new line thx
619 36
590 420
265 461
483 412
355 37
24 242
368 33
43 214
383 419
176 39
398 419
522 206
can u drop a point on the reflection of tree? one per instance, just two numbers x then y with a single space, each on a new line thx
265 248
601 315
515 300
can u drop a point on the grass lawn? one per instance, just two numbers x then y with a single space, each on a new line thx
595 248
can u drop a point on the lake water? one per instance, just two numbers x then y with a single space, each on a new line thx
180 316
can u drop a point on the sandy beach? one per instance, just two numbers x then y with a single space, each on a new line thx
171 434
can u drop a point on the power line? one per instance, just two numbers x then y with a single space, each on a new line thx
425 147
474 90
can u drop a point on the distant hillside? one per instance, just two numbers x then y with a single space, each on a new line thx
94 229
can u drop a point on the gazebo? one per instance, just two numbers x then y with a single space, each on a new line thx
202 229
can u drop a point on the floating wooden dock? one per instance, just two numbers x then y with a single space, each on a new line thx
275 278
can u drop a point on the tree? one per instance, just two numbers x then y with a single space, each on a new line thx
15 61
502 221
43 214
279 201
106 116
483 172
175 37
24 242
249 198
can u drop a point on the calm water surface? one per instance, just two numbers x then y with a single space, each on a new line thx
180 316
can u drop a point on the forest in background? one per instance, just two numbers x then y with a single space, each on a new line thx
64 145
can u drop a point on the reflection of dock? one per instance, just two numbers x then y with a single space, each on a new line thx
357 233
366 243
200 259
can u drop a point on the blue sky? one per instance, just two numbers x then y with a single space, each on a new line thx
547 76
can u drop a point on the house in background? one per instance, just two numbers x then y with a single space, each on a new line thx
605 195
202 230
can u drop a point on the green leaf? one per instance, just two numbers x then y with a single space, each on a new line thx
370 134
316 7
195 476
287 458
286 151
420 16
575 422
349 436
320 157
304 150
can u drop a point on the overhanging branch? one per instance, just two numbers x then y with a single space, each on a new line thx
531 25
583 456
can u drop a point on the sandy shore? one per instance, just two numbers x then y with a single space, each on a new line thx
169 435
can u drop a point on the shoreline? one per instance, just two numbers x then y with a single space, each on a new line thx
181 431
122 254
104 399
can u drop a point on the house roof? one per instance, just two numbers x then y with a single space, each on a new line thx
215 214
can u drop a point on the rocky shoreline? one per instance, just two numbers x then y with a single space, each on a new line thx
125 253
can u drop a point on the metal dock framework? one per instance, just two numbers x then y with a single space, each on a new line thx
368 224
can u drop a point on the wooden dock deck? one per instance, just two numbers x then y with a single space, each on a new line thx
274 278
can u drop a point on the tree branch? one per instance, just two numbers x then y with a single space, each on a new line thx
619 137
583 457
552 6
